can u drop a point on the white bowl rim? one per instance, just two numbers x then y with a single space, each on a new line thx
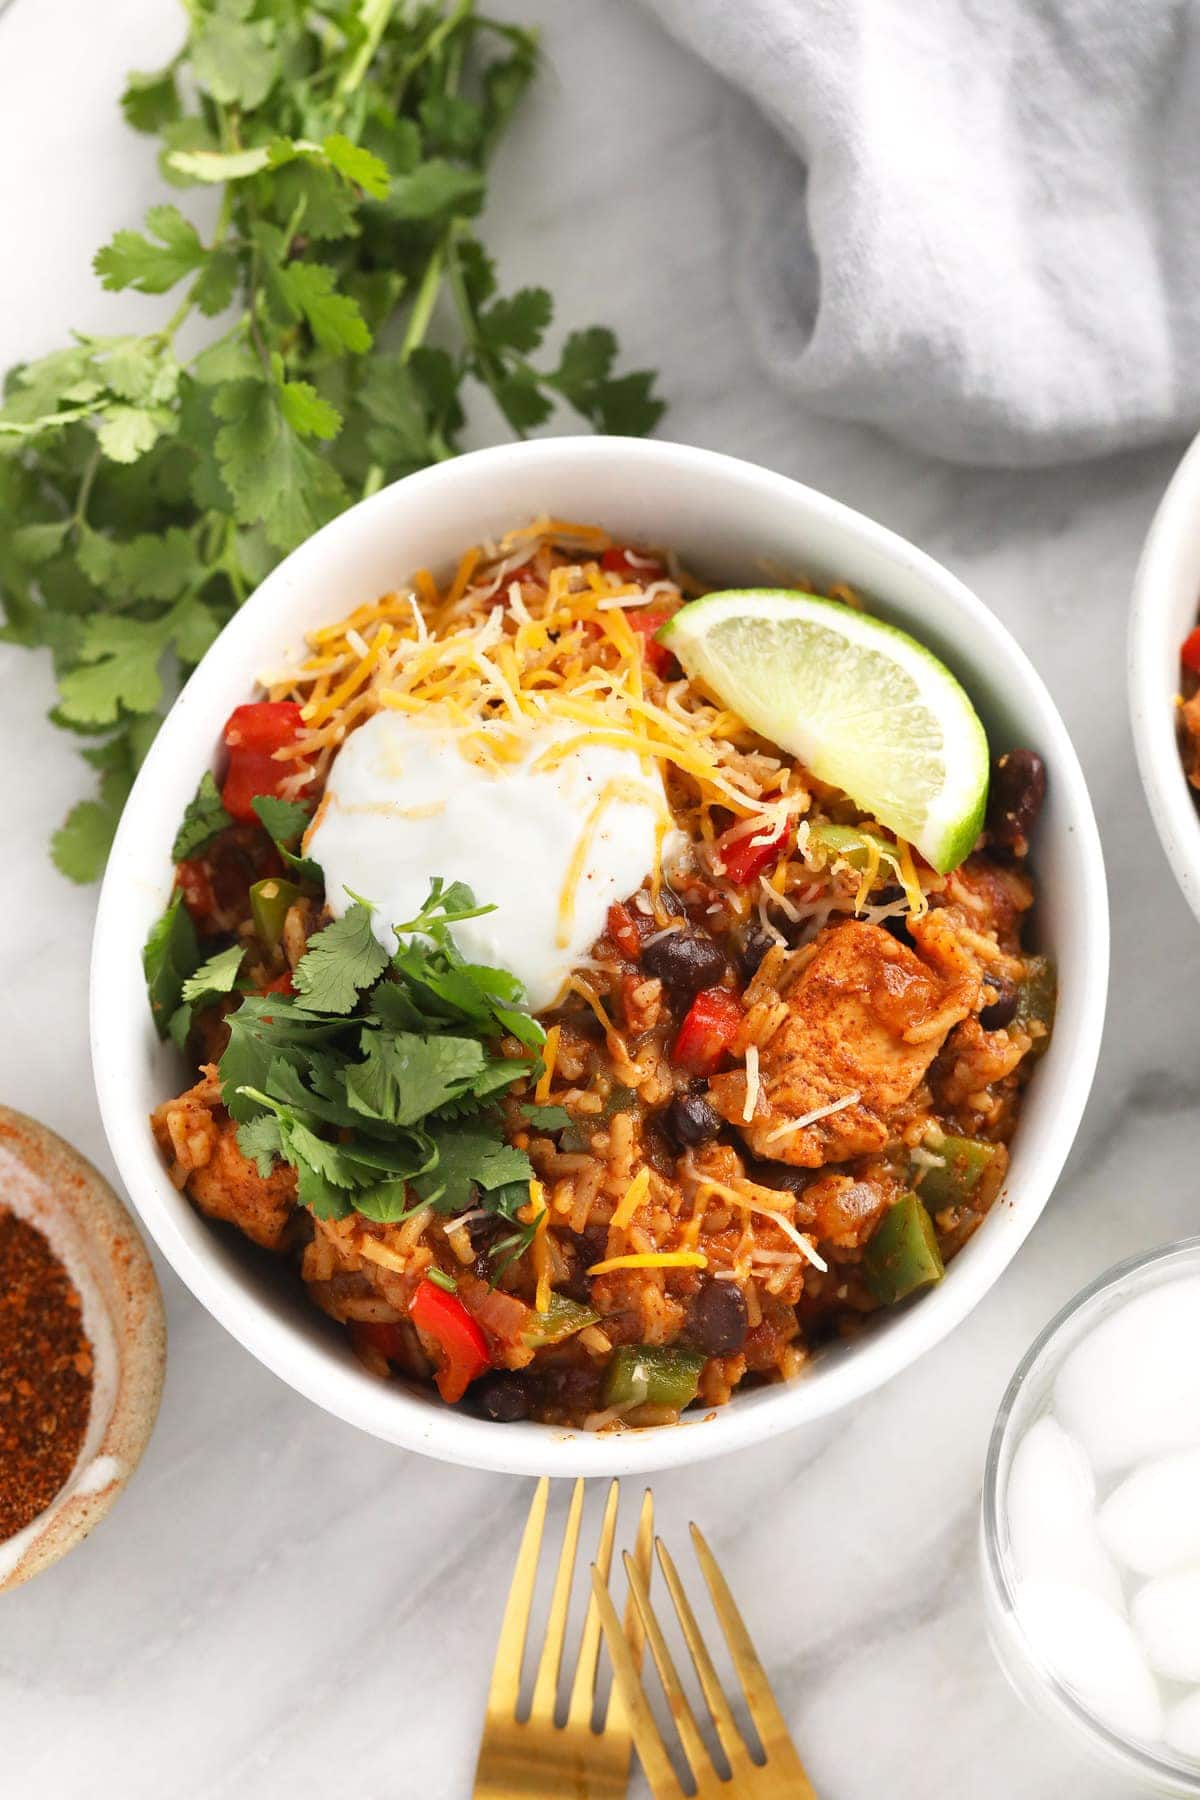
446 1433
1152 646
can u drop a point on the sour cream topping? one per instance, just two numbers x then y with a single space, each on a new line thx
550 838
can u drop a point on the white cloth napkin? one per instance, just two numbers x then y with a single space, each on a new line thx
973 223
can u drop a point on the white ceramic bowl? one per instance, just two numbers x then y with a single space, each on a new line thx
1166 598
732 522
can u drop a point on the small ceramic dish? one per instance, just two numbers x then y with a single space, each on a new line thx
1166 600
43 1180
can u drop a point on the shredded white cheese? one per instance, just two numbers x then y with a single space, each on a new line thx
810 1118
752 1083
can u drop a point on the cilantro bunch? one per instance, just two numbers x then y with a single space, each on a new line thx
348 143
378 1081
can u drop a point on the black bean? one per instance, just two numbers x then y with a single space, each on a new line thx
716 1319
504 1397
685 962
589 1246
784 1177
1003 1009
573 1388
752 947
690 1120
1017 792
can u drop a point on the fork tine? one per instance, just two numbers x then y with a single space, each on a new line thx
583 1688
750 1672
656 1764
718 1705
510 1648
681 1711
614 1719
545 1686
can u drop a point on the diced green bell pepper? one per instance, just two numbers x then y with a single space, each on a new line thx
849 842
1037 997
561 1319
965 1162
903 1254
577 1136
651 1375
270 902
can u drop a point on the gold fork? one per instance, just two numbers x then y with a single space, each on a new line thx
534 1758
781 1775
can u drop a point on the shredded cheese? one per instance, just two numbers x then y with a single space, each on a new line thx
652 1259
752 1083
791 1126
635 1193
541 1092
540 1249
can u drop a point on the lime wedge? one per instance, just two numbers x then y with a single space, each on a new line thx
862 705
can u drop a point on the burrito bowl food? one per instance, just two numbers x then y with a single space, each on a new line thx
606 993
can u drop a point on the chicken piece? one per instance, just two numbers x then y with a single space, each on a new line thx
199 1139
846 1208
1189 738
867 1017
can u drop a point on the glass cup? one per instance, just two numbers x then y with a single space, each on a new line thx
1154 1769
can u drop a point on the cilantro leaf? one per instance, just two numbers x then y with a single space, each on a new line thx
258 1140
471 1157
310 292
283 820
358 165
215 977
171 955
234 59
339 962
273 476
403 1077
134 260
547 1118
306 412
519 322
81 844
203 817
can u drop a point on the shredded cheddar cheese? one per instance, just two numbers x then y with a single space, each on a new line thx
652 1259
635 1193
541 1092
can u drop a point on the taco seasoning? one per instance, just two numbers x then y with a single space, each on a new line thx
46 1374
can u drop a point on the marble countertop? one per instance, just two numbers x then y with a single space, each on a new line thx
279 1599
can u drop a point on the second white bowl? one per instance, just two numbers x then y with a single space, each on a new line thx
1166 598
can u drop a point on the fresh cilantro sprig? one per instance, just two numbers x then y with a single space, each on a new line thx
378 1080
149 488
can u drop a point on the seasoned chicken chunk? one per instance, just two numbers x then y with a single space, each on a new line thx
867 1017
199 1139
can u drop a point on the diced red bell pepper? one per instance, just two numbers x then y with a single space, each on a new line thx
645 621
282 984
1189 655
191 877
744 860
623 932
262 725
252 735
616 560
461 1345
709 1028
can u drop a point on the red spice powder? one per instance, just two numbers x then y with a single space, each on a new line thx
45 1374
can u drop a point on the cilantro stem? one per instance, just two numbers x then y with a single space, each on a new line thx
424 301
79 516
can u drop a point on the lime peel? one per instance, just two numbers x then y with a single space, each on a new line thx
860 703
